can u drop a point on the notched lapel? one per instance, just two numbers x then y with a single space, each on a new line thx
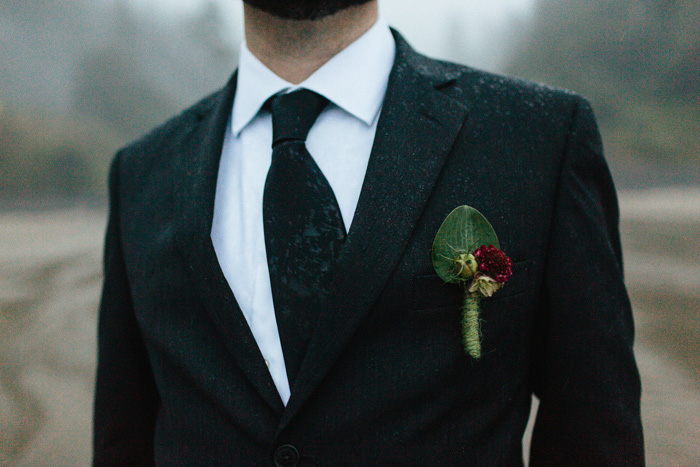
196 191
417 127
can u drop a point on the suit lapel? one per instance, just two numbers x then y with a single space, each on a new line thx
195 203
416 130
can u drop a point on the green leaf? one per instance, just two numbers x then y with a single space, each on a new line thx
463 231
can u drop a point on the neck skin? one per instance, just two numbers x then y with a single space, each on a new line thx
295 49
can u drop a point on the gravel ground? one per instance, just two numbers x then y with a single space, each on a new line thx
49 289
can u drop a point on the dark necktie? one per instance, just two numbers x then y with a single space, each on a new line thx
303 226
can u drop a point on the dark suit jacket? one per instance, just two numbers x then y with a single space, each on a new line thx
385 381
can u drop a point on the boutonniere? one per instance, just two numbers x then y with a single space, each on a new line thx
466 251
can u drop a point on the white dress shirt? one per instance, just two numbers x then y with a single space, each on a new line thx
355 82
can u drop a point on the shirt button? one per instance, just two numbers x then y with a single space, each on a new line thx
267 362
286 456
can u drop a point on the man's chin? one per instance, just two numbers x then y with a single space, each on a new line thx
303 9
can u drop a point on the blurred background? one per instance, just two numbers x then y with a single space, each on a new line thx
79 79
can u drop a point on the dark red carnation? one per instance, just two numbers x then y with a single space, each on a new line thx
494 263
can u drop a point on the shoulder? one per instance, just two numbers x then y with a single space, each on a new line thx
164 140
154 166
489 93
168 146
506 108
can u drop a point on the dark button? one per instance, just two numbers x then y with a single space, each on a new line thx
286 456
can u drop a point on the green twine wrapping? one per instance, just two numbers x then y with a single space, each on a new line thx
471 333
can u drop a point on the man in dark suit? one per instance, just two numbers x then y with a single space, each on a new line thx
193 369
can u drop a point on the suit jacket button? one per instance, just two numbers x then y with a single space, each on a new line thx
286 456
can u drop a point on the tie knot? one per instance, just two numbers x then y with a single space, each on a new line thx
294 114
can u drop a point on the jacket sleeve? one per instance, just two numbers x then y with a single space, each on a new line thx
126 397
585 373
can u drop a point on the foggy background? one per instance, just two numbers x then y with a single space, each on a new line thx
80 78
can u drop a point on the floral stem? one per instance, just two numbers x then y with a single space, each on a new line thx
470 325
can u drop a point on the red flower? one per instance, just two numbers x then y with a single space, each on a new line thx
494 263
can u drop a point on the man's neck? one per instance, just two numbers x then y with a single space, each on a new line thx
295 49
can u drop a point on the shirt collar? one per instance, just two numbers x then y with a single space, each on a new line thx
355 79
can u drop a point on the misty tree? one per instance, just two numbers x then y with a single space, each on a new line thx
639 62
111 88
209 30
86 77
153 68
